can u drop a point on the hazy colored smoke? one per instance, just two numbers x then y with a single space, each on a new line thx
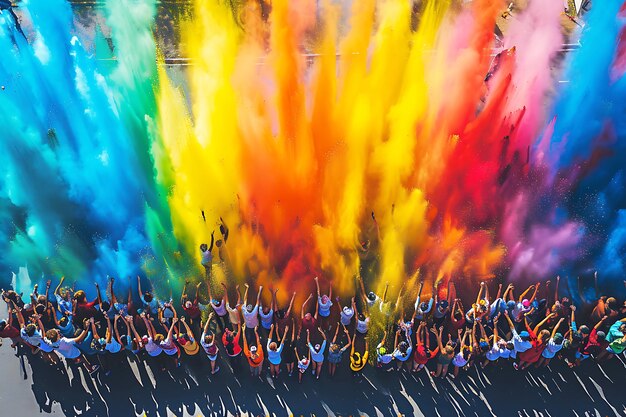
109 165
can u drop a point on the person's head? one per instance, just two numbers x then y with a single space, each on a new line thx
458 315
53 335
612 303
42 300
510 346
566 302
144 340
449 350
526 303
544 335
443 304
253 352
40 309
63 321
204 247
3 325
218 243
584 330
148 297
230 337
525 336
403 347
266 310
510 305
308 317
30 329
324 299
601 336
361 317
334 348
158 338
106 306
304 361
558 338
64 293
249 307
371 296
622 328
273 347
577 336
484 345
382 350
188 304
280 314
423 306
208 339
80 296
183 339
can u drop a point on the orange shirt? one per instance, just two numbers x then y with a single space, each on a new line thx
256 362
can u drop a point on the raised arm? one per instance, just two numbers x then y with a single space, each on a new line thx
117 332
258 296
282 341
183 295
131 326
508 293
293 297
599 324
508 318
499 291
317 285
212 241
56 290
304 305
256 333
336 333
139 286
385 292
225 296
271 332
556 328
523 295
99 296
245 293
81 337
171 330
395 342
535 292
349 339
495 331
109 334
322 332
187 328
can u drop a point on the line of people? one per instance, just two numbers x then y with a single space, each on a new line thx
435 331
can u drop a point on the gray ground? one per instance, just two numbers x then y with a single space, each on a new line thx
188 391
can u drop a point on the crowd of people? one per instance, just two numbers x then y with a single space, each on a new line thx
434 332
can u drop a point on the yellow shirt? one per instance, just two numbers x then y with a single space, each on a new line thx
358 362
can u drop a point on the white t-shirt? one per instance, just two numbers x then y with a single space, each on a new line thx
346 315
551 349
361 326
324 308
220 309
207 257
152 348
33 340
67 347
520 345
493 354
459 360
233 314
251 318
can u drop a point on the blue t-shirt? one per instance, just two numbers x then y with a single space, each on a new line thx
315 355
274 356
324 309
85 345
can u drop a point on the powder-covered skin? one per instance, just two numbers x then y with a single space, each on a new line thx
108 165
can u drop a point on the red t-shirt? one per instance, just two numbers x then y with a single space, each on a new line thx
309 325
594 346
533 354
194 311
232 348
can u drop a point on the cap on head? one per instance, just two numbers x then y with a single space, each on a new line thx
382 350
524 335
510 304
347 310
317 346
253 349
601 335
526 303
584 329
249 308
371 296
558 338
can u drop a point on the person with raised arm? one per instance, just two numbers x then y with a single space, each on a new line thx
324 303
149 301
303 362
64 298
250 312
521 341
461 359
497 344
539 339
275 350
307 320
317 352
254 354
234 317
168 345
67 347
289 357
383 357
358 360
421 308
335 351
219 307
133 339
230 341
402 350
446 354
346 312
369 299
209 345
187 340
555 344
422 353
206 252
152 341
267 313
616 337
283 318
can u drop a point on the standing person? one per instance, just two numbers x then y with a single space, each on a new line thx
64 298
254 353
422 353
152 342
303 363
446 354
187 340
234 317
358 360
8 331
402 350
309 322
555 344
325 303
317 352
191 307
539 340
616 337
346 312
149 301
282 318
209 345
335 351
219 307
275 350
168 345
250 312
33 336
207 256
67 347
521 341
267 313
461 359
288 352
422 307
84 309
596 343
493 354
230 341
133 340
383 357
